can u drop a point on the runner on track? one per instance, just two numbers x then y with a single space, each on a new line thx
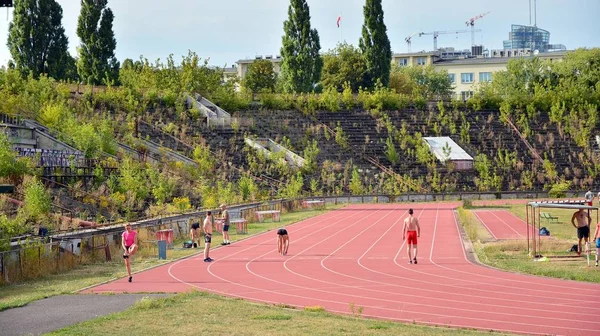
283 241
410 232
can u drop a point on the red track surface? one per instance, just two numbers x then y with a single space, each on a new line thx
356 256
493 202
503 224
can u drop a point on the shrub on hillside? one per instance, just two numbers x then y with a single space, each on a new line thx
36 203
558 189
276 101
330 99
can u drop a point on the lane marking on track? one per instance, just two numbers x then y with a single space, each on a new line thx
509 226
487 227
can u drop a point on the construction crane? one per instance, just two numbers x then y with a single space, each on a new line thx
471 22
409 40
436 33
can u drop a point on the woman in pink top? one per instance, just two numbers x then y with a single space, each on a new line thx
129 243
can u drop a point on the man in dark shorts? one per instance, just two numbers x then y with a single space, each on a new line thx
283 241
208 225
583 227
410 232
226 221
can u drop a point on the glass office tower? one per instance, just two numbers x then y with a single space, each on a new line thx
527 37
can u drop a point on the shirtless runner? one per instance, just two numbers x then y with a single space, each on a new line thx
207 227
410 232
583 227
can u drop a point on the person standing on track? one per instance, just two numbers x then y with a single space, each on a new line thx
225 218
283 241
410 232
207 227
583 227
130 246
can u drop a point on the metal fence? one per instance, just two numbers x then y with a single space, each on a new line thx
64 251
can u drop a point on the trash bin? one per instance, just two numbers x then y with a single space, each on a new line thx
162 249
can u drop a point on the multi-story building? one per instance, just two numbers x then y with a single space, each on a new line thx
421 58
530 37
242 65
465 72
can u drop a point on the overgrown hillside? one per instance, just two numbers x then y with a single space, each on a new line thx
148 152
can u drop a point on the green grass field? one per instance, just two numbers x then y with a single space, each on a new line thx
199 313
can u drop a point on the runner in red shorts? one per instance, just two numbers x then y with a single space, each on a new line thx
410 232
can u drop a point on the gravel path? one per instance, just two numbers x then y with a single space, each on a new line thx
57 312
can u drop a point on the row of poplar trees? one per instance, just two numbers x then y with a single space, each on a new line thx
38 44
302 63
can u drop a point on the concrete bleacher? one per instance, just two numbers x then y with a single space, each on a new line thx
367 137
269 147
53 157
214 114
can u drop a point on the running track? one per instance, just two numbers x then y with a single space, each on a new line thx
356 256
503 225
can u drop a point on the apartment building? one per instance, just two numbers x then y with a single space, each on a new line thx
242 65
465 72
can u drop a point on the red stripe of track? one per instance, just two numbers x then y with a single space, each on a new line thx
503 225
356 255
500 202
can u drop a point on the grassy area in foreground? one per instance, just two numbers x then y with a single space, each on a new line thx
16 295
512 255
199 313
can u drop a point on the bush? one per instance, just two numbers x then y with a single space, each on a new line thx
348 97
37 202
276 101
420 103
558 190
330 99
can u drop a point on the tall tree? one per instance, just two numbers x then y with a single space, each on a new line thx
37 40
97 62
375 44
423 81
260 76
301 66
344 64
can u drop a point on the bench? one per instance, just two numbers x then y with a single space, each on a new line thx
166 235
310 203
241 225
275 215
548 217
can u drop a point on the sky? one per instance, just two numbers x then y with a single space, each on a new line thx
226 31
